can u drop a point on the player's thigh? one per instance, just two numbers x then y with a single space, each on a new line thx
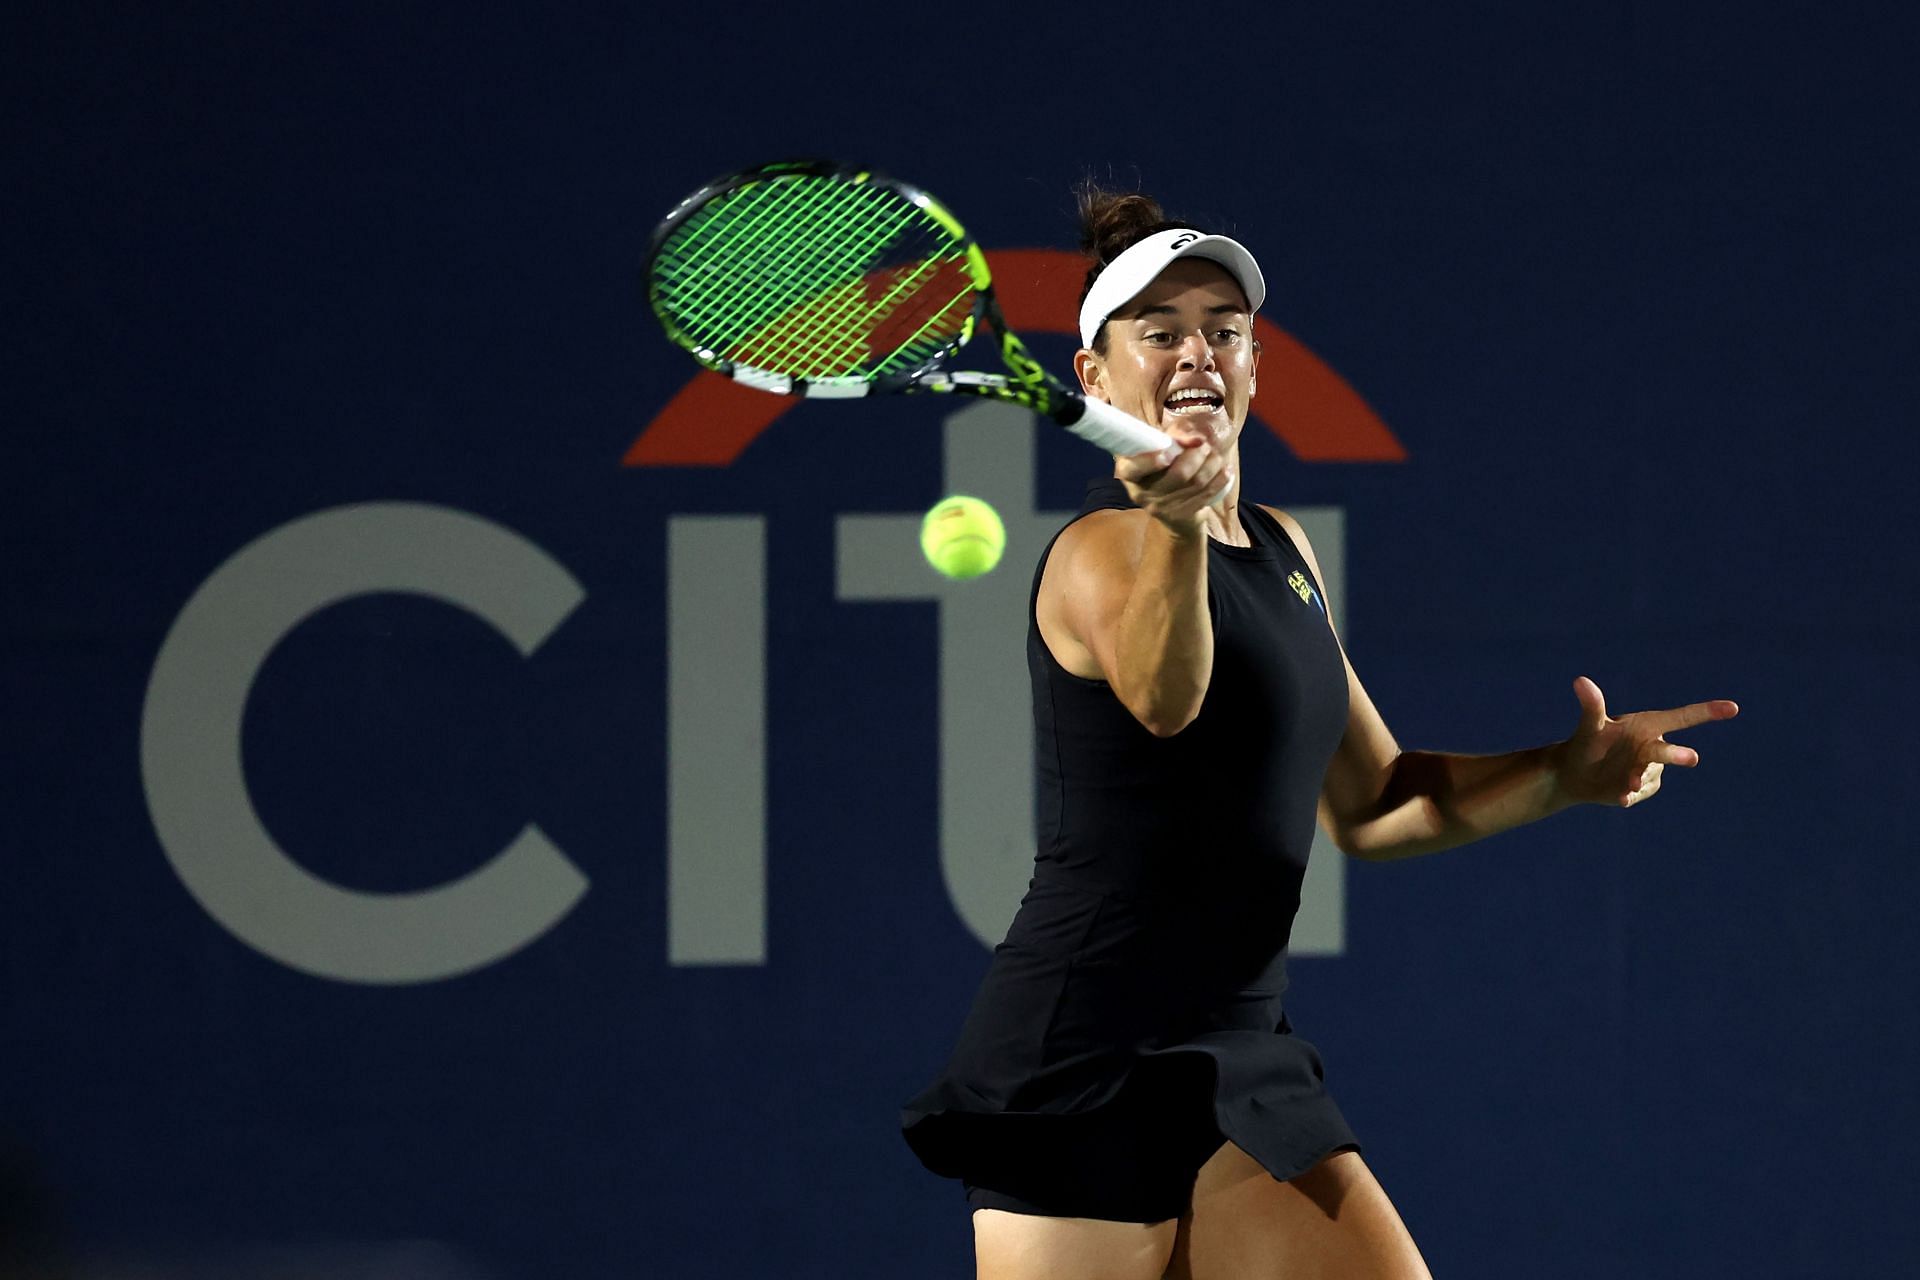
1024 1246
1333 1221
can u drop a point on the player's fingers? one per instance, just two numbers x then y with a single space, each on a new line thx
1138 468
1593 704
1695 713
1204 490
1189 498
1159 478
1649 783
1184 487
1195 466
1684 757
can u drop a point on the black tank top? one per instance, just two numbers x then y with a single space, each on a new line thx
1215 822
1168 870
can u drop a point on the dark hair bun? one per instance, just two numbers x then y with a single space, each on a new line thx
1110 221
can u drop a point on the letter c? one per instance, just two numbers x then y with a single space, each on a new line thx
190 749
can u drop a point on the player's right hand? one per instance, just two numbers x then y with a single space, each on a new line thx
1176 485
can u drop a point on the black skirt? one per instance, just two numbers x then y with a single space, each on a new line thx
1115 1044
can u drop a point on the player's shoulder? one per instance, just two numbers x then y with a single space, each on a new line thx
1099 540
1295 531
1102 527
1286 522
1293 527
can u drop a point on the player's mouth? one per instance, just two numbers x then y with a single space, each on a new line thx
1192 402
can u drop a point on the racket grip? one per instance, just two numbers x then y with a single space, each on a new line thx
1098 422
1121 433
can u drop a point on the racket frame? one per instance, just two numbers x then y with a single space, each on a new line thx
1027 383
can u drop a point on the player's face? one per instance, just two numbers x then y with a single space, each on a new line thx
1181 355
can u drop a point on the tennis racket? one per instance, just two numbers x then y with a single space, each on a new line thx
813 279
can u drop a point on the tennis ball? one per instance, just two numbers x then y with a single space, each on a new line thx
962 537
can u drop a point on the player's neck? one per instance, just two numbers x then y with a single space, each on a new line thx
1222 523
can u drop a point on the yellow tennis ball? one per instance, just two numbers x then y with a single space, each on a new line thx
962 537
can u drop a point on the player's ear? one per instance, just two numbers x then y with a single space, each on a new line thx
1253 382
1092 371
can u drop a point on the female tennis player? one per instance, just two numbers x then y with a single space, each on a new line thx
1127 1098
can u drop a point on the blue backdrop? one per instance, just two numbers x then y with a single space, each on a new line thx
1632 287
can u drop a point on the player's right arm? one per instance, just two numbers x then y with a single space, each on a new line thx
1124 596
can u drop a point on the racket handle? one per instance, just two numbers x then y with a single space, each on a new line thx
1119 432
1098 422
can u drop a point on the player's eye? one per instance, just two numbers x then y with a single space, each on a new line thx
1159 337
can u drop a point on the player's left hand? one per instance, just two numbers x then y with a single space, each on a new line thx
1609 761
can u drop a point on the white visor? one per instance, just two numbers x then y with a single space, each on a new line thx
1141 264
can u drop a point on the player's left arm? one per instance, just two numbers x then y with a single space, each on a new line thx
1379 802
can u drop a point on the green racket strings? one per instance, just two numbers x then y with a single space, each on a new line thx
814 277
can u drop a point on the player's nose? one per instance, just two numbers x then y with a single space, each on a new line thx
1196 352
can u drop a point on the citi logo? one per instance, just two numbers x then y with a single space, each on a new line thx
717 734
